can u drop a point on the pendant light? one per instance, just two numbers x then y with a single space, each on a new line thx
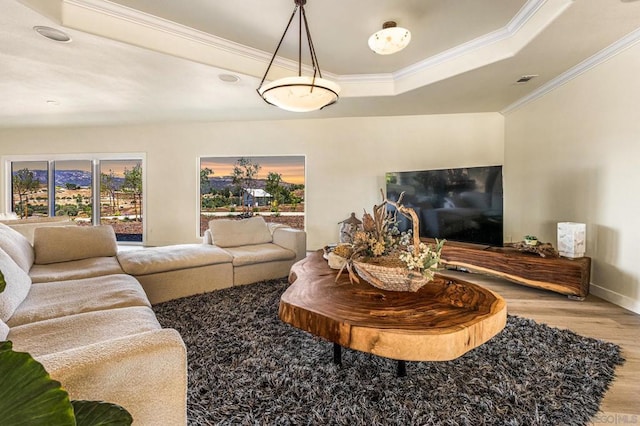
299 93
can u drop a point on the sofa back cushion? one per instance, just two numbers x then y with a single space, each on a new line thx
27 226
66 243
243 232
17 246
17 286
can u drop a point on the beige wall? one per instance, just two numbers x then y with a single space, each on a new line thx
346 159
574 155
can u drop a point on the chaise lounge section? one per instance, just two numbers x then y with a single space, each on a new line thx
175 271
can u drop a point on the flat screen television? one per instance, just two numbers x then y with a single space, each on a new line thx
462 204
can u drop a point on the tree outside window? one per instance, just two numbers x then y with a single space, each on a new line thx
121 195
29 188
236 187
25 184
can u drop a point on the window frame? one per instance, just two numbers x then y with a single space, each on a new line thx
198 164
95 159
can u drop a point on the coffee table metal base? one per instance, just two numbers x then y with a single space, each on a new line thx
401 369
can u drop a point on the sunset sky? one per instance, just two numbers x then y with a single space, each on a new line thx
117 166
290 167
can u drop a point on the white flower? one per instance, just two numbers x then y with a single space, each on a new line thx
426 260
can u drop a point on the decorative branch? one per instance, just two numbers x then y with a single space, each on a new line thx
410 214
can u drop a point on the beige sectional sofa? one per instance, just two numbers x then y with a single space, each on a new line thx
90 324
83 309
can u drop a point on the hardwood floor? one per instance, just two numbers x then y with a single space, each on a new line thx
591 317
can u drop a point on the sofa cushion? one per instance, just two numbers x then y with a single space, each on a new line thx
259 253
171 258
75 269
62 298
74 331
17 286
4 331
27 227
17 246
234 233
65 243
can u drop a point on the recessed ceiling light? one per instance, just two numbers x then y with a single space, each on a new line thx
229 78
52 102
526 78
52 34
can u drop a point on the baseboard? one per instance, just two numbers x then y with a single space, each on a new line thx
615 298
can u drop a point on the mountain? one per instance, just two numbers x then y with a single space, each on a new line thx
76 177
224 182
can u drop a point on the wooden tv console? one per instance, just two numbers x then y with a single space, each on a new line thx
559 274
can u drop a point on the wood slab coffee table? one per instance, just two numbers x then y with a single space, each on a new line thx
442 321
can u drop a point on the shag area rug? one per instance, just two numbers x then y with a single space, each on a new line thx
247 367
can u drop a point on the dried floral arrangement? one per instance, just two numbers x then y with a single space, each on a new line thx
387 258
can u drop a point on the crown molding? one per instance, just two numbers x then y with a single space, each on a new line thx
518 21
118 22
584 66
114 21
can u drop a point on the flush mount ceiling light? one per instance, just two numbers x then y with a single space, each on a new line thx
299 93
52 34
390 39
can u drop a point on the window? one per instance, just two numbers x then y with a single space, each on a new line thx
272 187
73 182
121 197
88 190
29 188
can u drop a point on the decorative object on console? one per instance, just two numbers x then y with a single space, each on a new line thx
531 240
390 39
387 259
541 249
299 93
571 239
348 227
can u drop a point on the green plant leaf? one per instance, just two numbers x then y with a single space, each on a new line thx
28 395
3 283
96 413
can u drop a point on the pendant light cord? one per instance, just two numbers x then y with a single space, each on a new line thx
295 9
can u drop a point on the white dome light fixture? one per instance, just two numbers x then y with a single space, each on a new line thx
390 39
299 93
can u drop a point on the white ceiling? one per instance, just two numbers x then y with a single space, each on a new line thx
136 61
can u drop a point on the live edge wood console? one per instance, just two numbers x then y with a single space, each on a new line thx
562 275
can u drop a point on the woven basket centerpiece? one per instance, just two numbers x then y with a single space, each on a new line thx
390 278
388 260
